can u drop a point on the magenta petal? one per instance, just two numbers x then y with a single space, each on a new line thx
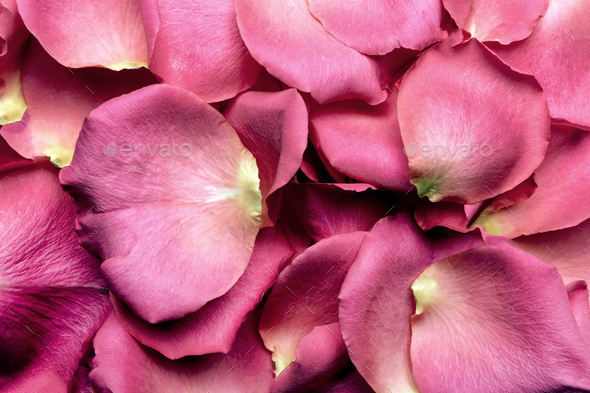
213 327
327 210
561 180
553 54
306 295
169 198
504 21
123 365
321 354
579 300
106 33
376 301
52 298
196 45
501 316
379 26
273 126
294 47
472 127
59 99
362 141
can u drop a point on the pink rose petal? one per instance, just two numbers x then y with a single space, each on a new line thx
169 199
472 127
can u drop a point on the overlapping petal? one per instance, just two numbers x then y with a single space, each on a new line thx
59 99
378 27
310 58
170 200
123 365
472 127
553 54
214 326
504 21
197 46
52 296
362 141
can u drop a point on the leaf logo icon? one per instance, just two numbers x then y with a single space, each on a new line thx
110 150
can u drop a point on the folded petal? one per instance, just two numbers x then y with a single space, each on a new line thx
87 33
273 126
362 141
579 299
175 227
504 21
503 318
560 179
552 54
123 365
59 99
13 36
327 210
321 354
376 301
306 295
378 27
471 126
213 328
197 45
52 299
294 47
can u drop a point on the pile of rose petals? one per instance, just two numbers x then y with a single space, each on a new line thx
295 196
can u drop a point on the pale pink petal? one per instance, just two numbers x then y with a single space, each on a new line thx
197 45
52 298
503 318
59 99
123 365
327 210
13 36
377 27
213 327
169 198
376 301
362 141
560 200
553 54
306 295
321 354
293 46
504 21
106 33
471 126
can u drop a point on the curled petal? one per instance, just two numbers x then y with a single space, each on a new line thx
169 199
310 59
79 34
472 127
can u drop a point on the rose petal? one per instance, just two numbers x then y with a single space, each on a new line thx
309 59
376 301
501 316
378 27
362 141
169 221
123 365
552 54
578 296
504 21
560 178
213 328
106 33
197 46
306 295
505 114
58 101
